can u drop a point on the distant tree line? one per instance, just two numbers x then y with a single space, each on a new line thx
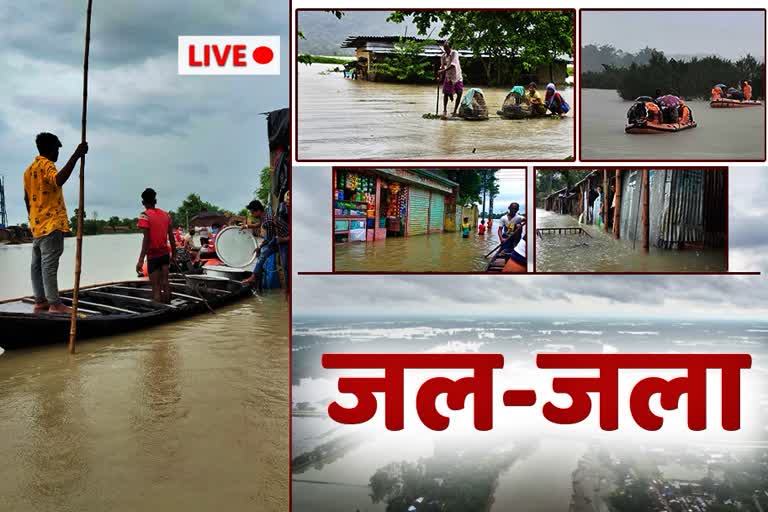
690 79
594 57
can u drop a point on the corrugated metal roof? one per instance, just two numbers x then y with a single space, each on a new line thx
386 45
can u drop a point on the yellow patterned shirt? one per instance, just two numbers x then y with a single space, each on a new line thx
47 212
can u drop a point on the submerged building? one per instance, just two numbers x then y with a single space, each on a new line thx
664 208
373 50
374 204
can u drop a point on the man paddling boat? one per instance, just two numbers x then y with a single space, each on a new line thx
48 219
510 228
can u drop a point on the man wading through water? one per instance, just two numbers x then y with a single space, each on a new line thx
48 219
450 74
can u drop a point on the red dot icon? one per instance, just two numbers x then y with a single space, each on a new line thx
263 55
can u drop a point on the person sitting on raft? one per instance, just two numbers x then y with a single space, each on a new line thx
716 93
555 101
533 97
747 90
670 108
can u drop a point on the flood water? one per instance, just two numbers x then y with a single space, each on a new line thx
105 258
721 134
343 119
541 481
186 416
438 252
601 253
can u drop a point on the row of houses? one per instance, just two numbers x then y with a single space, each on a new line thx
373 50
665 208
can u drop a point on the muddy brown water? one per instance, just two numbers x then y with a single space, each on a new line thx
343 119
438 252
191 415
601 253
720 134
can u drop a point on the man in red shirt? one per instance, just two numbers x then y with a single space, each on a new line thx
157 246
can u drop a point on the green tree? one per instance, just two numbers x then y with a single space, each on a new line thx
193 205
521 39
407 64
113 222
265 185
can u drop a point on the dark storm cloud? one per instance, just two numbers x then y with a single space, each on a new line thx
129 32
146 124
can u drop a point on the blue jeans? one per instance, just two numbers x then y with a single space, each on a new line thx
46 251
266 251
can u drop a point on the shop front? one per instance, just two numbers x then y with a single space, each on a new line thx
373 204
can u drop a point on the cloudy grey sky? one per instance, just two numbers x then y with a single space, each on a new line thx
511 188
730 34
694 296
147 126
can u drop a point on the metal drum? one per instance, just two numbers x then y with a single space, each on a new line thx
237 274
236 247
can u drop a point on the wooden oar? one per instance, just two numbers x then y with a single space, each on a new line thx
81 201
492 250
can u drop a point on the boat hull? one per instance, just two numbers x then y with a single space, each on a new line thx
643 128
728 103
115 308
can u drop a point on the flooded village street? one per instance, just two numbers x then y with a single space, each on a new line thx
342 119
721 134
190 415
598 251
436 252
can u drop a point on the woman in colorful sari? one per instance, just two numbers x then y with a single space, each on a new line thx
555 102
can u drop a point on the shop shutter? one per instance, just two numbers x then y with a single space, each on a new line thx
436 212
418 208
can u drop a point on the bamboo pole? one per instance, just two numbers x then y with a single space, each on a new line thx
644 192
81 201
617 209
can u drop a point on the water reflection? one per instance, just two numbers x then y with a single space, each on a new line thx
721 134
601 253
356 120
438 252
187 416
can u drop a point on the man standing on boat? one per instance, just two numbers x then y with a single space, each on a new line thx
157 245
48 219
276 233
450 74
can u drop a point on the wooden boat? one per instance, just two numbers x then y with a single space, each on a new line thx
114 308
500 263
731 103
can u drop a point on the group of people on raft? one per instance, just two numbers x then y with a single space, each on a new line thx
661 109
452 81
742 93
552 101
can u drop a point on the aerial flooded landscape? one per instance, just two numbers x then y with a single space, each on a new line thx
518 465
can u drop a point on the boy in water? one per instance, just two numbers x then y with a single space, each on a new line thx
158 237
465 228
